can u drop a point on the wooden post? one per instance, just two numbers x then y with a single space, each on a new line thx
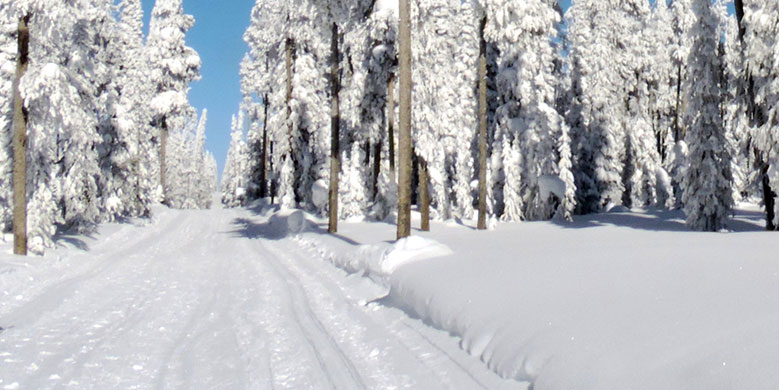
20 141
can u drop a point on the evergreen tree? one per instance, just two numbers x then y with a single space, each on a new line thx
173 67
707 181
761 25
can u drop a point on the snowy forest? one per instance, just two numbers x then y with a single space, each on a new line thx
583 192
109 129
518 111
614 103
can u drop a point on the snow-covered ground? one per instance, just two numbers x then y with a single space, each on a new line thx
613 301
248 298
218 299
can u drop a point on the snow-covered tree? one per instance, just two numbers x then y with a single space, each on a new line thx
445 108
173 67
761 40
707 181
235 174
133 158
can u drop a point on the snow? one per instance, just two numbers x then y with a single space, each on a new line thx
212 299
612 301
247 298
410 250
320 194
169 101
387 8
549 184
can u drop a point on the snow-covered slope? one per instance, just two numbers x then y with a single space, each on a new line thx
613 301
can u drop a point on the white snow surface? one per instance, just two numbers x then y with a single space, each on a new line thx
631 300
212 299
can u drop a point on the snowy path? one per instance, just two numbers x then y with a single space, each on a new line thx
198 301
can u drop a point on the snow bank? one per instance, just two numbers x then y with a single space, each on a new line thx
630 300
376 261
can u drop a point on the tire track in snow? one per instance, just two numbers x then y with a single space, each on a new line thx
331 358
415 344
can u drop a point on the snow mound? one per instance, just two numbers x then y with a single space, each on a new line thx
296 222
376 261
412 249
319 194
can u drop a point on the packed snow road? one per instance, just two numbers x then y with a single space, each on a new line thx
213 299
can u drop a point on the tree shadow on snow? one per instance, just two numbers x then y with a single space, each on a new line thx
661 220
64 241
277 227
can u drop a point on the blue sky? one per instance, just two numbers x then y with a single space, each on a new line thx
218 37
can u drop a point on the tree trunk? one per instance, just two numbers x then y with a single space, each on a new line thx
482 224
272 178
335 137
769 199
404 136
391 123
289 54
264 154
677 127
739 5
163 157
424 194
376 168
20 142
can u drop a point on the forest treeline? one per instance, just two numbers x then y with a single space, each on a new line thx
95 124
619 102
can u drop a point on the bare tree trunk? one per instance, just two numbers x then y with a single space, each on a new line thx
424 194
391 123
482 224
272 179
335 137
264 154
289 54
163 157
20 142
677 126
376 168
404 139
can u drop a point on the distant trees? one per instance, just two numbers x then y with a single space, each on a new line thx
85 115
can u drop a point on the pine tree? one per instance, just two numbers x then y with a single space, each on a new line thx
235 175
707 181
174 66
132 188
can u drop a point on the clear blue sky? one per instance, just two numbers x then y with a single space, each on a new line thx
218 37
